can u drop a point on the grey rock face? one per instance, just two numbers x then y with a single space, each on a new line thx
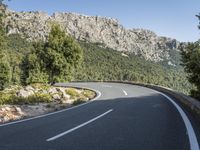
24 93
106 31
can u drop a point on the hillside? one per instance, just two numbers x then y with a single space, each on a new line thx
111 52
94 29
108 64
105 64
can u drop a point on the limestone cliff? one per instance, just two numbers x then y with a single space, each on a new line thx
106 31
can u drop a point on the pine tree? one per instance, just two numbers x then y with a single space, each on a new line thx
62 55
5 69
191 62
53 61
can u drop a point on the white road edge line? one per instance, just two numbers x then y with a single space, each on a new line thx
52 113
79 126
191 134
125 92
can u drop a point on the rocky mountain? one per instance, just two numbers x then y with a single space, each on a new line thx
106 32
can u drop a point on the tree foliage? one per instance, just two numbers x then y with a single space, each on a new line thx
55 60
5 70
191 63
107 64
198 16
35 69
62 55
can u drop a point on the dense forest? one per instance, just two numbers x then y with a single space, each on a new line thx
108 64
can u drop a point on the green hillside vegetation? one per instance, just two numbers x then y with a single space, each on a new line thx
99 64
54 60
107 64
191 59
191 63
23 62
5 68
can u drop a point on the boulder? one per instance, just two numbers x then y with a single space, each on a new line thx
19 111
29 88
56 97
52 91
24 93
64 95
70 101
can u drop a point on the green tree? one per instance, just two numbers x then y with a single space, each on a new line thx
18 49
5 70
53 61
2 10
33 66
198 16
191 63
61 54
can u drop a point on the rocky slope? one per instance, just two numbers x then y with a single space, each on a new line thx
107 32
23 102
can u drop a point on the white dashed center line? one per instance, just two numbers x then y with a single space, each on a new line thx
79 126
125 92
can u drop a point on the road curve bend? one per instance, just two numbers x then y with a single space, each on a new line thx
122 117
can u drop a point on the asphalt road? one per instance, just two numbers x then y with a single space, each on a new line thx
123 117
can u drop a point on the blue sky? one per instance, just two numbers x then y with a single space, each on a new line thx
172 18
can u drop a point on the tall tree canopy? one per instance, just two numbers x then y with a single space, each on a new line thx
5 69
55 60
62 54
191 63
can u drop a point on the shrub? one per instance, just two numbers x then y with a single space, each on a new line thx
5 98
11 98
77 102
72 92
195 94
89 94
41 86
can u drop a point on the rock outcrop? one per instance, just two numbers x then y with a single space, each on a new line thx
9 113
61 97
107 32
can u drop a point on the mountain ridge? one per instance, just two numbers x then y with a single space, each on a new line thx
108 32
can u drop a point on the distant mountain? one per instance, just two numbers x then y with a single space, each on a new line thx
106 32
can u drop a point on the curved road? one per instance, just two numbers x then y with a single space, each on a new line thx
123 117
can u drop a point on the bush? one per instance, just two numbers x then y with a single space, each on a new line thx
77 102
195 94
11 98
5 98
72 92
89 94
40 86
36 98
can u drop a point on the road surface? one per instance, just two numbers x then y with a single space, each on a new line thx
122 117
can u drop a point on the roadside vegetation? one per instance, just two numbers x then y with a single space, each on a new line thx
104 64
191 63
42 93
18 102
